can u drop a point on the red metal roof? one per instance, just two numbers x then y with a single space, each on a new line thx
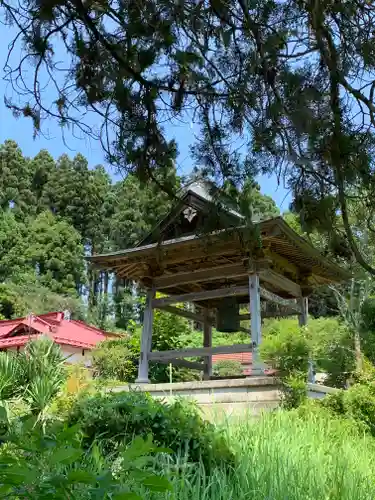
17 332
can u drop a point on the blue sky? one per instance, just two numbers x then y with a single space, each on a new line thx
21 131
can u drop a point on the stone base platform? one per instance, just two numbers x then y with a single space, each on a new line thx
230 397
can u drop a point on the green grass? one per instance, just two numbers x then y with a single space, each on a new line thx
286 456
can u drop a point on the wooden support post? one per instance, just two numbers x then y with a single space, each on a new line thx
255 323
304 304
146 340
302 319
207 342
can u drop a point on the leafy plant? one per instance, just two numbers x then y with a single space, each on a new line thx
35 375
9 376
116 359
38 465
294 391
333 350
227 368
117 418
286 348
356 403
79 384
327 341
42 356
42 365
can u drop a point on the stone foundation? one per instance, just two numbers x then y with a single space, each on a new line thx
219 397
223 398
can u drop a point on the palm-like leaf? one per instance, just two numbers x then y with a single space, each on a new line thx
41 391
42 356
9 376
44 372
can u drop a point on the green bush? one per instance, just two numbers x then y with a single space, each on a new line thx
227 368
117 418
356 403
332 349
286 347
327 341
294 392
116 359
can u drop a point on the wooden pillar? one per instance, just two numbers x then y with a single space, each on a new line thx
207 342
255 323
302 319
146 339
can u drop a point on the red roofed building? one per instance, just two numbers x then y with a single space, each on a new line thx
244 358
76 338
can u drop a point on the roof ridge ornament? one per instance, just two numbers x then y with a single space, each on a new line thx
189 213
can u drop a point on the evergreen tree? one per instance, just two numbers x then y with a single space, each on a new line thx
57 191
15 180
13 246
290 82
56 253
42 166
82 197
137 209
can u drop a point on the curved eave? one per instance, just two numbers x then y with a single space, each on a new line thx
330 269
276 234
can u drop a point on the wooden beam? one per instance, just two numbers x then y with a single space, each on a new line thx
209 274
283 311
282 262
192 365
281 282
199 352
267 295
183 313
223 292
206 295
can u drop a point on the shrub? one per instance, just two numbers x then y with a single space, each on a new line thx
294 391
333 350
227 368
79 384
286 347
116 359
356 403
117 418
329 343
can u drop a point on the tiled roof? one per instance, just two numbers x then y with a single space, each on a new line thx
67 332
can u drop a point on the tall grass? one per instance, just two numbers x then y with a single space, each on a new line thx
286 456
